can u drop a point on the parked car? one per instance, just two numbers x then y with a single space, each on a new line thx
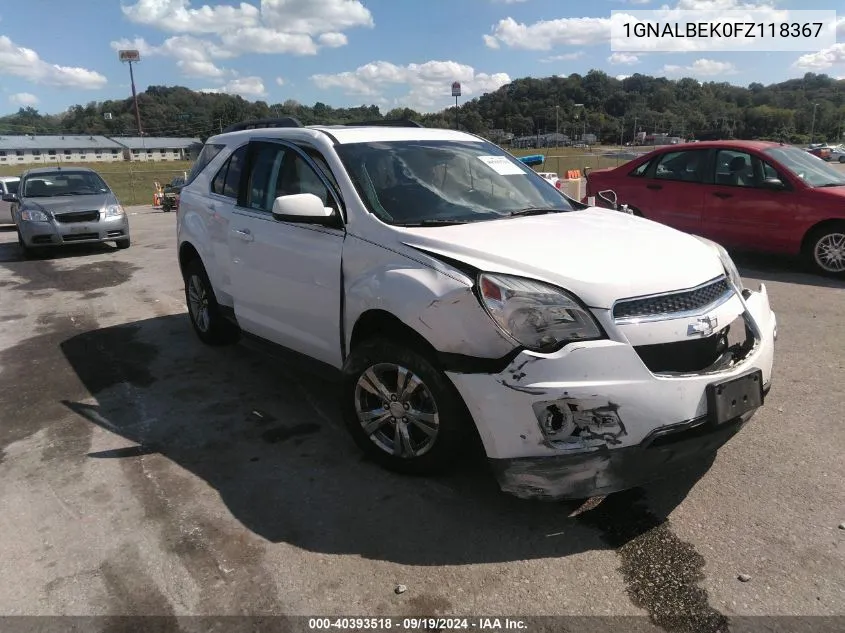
55 206
552 178
457 296
837 153
747 195
821 151
8 187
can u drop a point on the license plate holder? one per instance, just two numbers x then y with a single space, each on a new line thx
729 399
81 229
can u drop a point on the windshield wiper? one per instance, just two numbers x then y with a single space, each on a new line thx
533 211
436 222
74 193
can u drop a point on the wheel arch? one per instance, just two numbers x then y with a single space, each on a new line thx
187 253
818 226
381 323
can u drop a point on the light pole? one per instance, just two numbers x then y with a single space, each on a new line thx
133 56
557 125
581 105
813 124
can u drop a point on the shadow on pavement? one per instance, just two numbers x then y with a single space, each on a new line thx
269 440
781 268
11 252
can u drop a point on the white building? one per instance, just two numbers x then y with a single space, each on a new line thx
35 149
144 148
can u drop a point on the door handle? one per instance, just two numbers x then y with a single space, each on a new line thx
244 234
721 194
655 187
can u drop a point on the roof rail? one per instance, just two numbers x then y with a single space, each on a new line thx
386 123
263 123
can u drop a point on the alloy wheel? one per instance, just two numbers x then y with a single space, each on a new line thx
396 410
829 253
198 303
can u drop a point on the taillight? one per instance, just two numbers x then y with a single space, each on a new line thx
557 184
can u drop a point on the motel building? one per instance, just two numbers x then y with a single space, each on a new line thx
34 150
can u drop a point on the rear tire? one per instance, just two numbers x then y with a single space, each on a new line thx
124 243
393 396
211 326
825 250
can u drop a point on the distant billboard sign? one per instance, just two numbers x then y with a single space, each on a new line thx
456 89
129 56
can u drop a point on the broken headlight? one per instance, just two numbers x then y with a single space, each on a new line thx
536 315
727 263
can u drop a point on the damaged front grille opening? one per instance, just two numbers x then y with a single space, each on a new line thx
571 424
714 353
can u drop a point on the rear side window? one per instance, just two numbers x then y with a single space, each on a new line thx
228 180
641 170
208 153
682 166
12 186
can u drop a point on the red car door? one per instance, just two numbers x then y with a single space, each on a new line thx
670 189
744 206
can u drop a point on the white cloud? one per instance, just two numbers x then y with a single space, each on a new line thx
24 62
193 55
333 40
701 68
622 77
297 27
280 81
623 58
177 16
428 83
243 86
23 99
566 57
822 60
546 34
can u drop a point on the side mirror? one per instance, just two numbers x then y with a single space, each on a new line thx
10 197
774 184
302 207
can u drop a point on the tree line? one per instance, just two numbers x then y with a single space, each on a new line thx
613 109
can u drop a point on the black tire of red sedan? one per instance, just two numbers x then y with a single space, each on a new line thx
211 326
402 411
825 250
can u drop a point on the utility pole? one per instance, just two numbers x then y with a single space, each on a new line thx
813 125
456 92
557 124
130 57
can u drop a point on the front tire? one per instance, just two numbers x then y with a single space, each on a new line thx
123 243
29 252
825 250
401 410
210 325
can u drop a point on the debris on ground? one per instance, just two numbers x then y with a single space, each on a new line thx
400 589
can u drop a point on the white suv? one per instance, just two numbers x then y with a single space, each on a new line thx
461 298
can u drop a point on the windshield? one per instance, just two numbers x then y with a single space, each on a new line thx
430 182
63 183
12 186
814 171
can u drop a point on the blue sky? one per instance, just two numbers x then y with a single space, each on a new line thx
56 53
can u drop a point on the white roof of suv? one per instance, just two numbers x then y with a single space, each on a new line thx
344 134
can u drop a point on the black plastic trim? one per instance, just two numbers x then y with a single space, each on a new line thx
290 357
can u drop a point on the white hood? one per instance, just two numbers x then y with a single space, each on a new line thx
598 254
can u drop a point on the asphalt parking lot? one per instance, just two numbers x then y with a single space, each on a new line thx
143 473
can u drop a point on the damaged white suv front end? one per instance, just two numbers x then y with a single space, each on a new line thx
649 385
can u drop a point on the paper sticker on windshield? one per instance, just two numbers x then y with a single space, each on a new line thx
502 165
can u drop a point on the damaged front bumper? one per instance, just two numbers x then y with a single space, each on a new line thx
593 418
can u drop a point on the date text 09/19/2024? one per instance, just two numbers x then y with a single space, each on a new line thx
416 624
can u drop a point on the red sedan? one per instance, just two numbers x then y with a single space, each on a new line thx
748 195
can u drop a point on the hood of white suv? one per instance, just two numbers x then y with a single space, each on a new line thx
598 254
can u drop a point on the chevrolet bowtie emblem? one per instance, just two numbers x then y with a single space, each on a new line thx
705 326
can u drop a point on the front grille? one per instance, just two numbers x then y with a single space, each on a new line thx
78 237
729 345
78 216
672 303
